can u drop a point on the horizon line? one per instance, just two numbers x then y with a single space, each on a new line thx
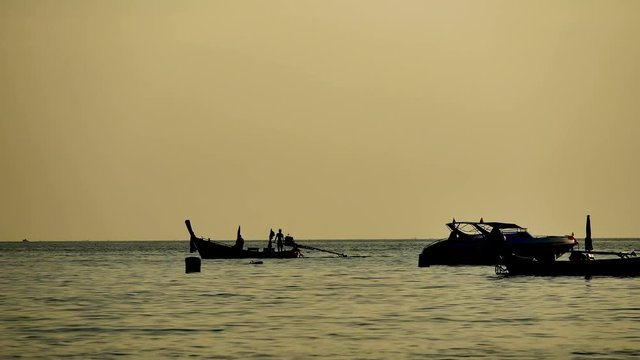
316 239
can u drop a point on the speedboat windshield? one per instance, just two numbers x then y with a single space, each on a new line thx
465 228
484 228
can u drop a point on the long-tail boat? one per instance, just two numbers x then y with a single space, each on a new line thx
209 249
626 264
579 263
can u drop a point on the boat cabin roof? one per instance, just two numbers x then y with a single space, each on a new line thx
482 227
493 224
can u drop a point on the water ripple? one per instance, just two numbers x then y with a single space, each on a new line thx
115 300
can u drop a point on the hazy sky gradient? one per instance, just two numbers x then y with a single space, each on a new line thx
331 119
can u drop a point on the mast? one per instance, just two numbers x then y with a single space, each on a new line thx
588 245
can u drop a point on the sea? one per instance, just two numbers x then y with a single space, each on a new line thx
134 299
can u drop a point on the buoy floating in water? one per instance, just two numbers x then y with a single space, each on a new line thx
192 264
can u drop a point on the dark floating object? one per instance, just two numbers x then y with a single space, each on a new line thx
209 249
580 263
481 243
256 262
192 264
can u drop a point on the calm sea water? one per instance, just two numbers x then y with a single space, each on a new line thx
133 300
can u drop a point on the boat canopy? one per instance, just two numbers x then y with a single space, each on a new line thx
474 227
499 225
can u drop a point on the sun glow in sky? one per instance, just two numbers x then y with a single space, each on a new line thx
330 119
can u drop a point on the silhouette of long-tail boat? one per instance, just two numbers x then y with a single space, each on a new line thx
209 249
580 263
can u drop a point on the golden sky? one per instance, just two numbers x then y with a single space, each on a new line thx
330 119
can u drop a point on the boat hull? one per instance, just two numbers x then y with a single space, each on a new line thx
516 265
483 251
539 247
214 250
455 252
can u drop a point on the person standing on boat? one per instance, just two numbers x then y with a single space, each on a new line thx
279 239
271 236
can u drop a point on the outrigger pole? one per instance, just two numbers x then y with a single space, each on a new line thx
288 241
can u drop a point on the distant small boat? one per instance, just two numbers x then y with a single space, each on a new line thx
580 263
481 243
209 249
25 240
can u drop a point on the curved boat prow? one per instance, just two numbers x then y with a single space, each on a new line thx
188 223
192 245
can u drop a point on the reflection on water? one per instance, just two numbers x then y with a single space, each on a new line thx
112 299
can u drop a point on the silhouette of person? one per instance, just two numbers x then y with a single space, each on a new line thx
496 240
271 235
279 238
239 241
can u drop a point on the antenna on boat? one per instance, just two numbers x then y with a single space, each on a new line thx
588 245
